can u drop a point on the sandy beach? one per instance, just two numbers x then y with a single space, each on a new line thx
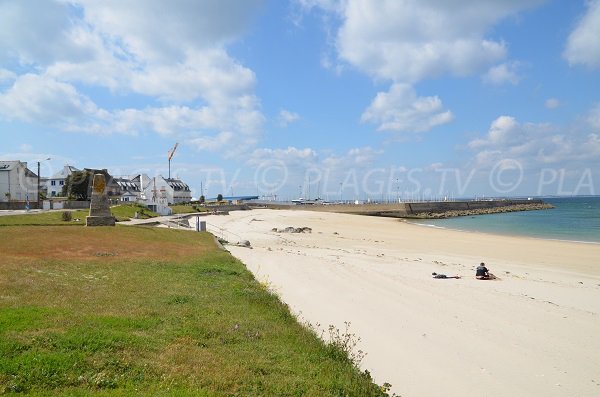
532 332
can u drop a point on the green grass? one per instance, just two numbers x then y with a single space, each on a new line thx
187 209
124 212
149 311
44 218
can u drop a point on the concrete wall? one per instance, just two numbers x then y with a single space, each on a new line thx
400 210
76 205
443 206
65 204
17 205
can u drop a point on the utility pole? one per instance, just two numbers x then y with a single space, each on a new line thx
38 181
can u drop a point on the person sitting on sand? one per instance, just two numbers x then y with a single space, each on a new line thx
482 272
435 275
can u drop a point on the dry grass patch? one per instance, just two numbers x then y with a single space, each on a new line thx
100 243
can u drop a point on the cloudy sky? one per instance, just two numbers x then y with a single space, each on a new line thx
350 98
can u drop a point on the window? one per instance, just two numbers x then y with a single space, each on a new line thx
62 183
53 183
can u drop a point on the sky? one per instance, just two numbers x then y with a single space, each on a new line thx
346 100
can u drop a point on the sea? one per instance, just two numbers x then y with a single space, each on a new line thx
572 219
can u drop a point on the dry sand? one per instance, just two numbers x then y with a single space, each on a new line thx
533 332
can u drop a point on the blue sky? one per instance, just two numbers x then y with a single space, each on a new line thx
354 99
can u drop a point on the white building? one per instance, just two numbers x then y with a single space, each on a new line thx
179 191
17 182
130 190
172 191
55 183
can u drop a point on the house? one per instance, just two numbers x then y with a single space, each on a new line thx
180 192
170 190
55 183
130 191
17 182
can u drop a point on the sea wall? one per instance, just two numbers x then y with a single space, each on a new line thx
428 209
465 208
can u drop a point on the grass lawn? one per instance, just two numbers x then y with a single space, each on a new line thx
45 218
124 212
121 212
187 209
149 311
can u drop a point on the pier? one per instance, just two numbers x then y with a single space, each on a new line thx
427 209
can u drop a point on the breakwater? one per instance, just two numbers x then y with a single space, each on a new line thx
466 208
427 209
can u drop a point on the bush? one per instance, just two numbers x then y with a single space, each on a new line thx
67 216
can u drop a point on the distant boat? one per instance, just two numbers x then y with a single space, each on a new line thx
303 201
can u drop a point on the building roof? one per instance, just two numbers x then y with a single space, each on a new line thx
127 184
177 184
64 172
9 165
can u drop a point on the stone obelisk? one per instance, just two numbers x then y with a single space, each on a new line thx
99 207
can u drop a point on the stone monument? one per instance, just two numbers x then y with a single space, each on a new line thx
99 207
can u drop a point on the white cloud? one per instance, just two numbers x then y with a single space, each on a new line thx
39 99
173 53
328 5
7 75
306 158
291 156
400 110
408 41
25 147
552 103
159 31
213 143
593 117
583 46
318 172
355 157
411 40
287 117
503 73
535 144
37 32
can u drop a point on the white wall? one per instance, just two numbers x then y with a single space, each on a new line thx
15 182
56 189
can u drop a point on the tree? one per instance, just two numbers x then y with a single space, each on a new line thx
77 185
201 200
219 197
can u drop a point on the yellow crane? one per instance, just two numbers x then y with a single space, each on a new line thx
171 153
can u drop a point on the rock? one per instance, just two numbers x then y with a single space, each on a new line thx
291 229
99 205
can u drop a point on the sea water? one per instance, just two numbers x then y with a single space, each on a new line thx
572 219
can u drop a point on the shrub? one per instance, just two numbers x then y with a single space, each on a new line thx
67 216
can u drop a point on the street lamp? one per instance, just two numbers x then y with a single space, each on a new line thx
38 181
